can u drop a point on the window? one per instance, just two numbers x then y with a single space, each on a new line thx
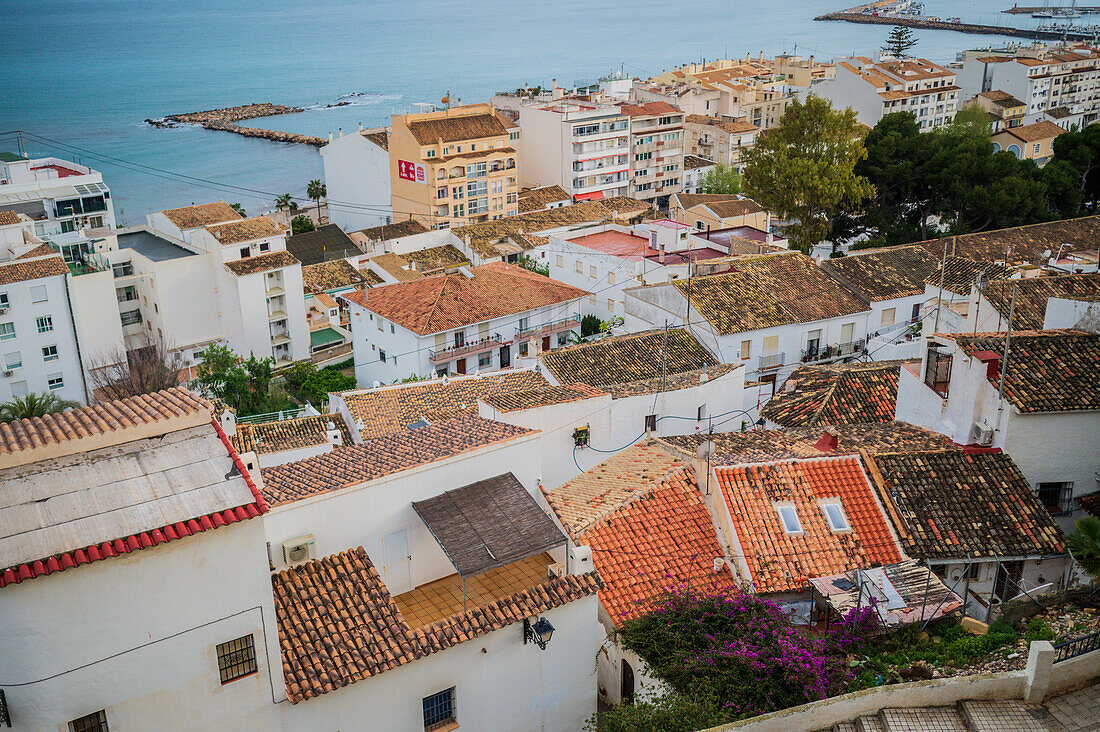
592 271
1038 146
701 413
439 709
55 382
1057 497
610 278
45 323
524 324
916 313
431 154
7 331
834 514
887 317
381 355
94 722
937 374
265 246
563 338
847 332
49 353
789 517
236 659
579 266
131 317
523 346
559 260
650 422
485 359
746 349
38 293
244 252
13 360
3 300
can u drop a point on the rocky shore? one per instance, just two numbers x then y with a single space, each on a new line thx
224 119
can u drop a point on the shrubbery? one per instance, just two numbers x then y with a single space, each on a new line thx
306 383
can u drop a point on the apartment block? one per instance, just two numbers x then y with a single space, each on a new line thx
453 166
721 140
657 150
58 195
584 147
877 88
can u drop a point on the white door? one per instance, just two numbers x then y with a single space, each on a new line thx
395 561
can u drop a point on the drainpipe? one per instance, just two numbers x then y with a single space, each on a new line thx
76 339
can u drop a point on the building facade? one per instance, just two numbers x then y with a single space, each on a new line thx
357 178
656 150
60 196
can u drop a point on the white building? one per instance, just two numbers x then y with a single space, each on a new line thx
459 323
772 312
877 88
357 178
191 630
656 150
695 170
1046 419
583 147
58 195
1044 78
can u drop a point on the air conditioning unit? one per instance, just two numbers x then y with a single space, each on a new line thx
298 550
3 311
981 434
8 373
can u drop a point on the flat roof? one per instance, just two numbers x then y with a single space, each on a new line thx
699 254
152 246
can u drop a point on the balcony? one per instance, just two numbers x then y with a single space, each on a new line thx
771 361
443 355
276 315
275 289
832 352
549 328
278 338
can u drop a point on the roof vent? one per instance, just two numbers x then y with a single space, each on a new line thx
828 441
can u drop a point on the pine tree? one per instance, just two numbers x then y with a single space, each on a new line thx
900 42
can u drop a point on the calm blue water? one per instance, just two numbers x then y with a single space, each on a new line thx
88 73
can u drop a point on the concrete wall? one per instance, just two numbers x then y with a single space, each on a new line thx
357 177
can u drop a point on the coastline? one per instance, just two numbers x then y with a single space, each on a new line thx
225 119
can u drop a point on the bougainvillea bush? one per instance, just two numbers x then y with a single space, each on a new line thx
730 655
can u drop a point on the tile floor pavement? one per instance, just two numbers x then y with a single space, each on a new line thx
1077 711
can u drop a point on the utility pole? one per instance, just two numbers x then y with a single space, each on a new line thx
939 299
664 356
1004 358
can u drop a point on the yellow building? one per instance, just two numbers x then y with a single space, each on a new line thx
1029 142
453 167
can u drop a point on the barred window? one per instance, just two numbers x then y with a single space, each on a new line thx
94 722
439 709
236 658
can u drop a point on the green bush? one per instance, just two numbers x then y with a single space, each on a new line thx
300 224
306 383
590 325
1038 630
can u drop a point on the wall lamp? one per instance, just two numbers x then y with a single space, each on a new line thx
538 632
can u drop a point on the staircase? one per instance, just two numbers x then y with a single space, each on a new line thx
966 716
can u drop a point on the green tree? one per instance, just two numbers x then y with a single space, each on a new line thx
317 190
286 202
721 178
34 405
307 383
301 224
900 42
803 170
531 264
1076 171
590 325
242 384
239 208
1085 544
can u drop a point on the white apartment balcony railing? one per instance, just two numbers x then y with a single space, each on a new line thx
276 315
481 345
274 290
279 338
549 328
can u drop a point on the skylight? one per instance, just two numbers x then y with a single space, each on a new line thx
834 513
789 517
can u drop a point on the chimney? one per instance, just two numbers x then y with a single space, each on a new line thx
341 129
828 441
335 438
661 255
360 126
330 137
228 421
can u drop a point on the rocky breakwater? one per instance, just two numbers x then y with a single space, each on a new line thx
224 119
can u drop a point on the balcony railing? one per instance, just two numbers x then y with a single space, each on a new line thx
831 352
545 330
280 337
771 361
481 345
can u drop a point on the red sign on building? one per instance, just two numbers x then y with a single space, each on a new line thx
407 170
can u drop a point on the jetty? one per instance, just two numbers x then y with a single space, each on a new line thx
1025 10
225 119
858 14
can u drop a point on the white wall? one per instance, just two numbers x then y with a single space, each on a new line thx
136 635
357 173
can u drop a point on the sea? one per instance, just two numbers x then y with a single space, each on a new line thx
79 77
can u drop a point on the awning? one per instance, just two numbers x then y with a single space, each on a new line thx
323 337
488 524
593 196
38 193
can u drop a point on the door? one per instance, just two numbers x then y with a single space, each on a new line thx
546 343
460 366
396 561
505 357
626 690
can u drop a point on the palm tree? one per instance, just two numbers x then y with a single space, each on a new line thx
286 202
238 208
34 405
1085 545
317 190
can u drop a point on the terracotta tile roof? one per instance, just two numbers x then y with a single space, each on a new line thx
235 232
42 250
1021 243
1002 98
534 199
671 382
691 200
628 358
385 232
338 623
440 303
1036 131
334 275
960 273
262 263
769 291
737 127
884 274
457 128
380 456
381 137
20 270
99 419
624 205
948 504
391 409
692 162
836 394
1032 294
370 279
7 218
433 259
1048 371
204 214
648 109
150 535
325 300
289 434
1090 503
323 244
781 562
485 236
513 401
395 266
800 442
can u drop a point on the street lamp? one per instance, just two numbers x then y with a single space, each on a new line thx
538 632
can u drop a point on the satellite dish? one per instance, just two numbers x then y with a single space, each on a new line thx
706 450
1046 254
